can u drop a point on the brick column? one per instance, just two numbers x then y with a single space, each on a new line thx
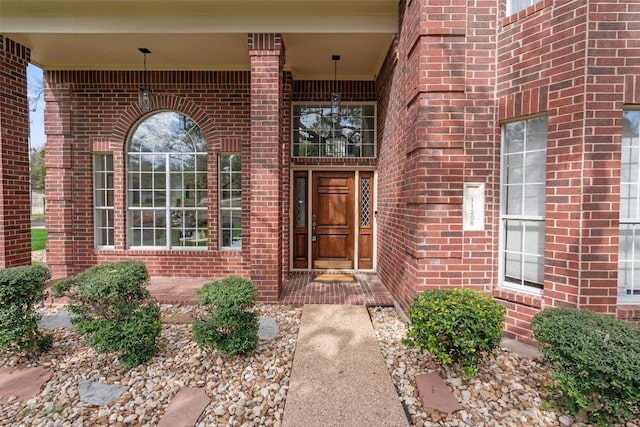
266 53
15 207
58 181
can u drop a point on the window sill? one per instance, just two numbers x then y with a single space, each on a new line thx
519 297
628 311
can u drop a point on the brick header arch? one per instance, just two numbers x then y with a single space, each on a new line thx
133 115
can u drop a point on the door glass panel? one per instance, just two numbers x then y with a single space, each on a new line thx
365 203
301 201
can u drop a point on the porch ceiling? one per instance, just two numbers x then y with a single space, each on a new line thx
203 34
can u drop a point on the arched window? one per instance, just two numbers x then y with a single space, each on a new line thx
167 183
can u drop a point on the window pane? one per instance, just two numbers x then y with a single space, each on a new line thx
629 241
513 236
534 200
535 166
513 194
168 139
103 199
629 164
513 267
523 197
514 168
230 200
536 137
318 132
629 201
514 137
533 270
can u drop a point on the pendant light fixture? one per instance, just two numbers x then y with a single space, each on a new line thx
145 93
335 95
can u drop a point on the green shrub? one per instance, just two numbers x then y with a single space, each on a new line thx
114 310
597 361
456 325
230 327
21 288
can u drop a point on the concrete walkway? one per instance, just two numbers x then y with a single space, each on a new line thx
338 376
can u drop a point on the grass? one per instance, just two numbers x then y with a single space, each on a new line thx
38 239
37 216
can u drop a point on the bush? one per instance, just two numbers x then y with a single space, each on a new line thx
114 310
230 327
597 361
21 288
456 325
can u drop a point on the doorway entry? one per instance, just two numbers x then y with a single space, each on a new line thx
333 220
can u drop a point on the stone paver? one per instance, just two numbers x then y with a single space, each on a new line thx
435 393
22 383
267 328
55 321
185 408
338 377
97 393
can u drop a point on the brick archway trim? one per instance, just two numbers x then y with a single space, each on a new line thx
133 115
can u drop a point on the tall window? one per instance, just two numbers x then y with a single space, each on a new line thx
230 201
524 151
515 6
103 199
167 183
629 246
319 131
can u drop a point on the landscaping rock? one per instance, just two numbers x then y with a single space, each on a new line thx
97 393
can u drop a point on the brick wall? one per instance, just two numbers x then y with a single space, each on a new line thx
573 61
435 113
15 214
456 72
613 82
267 55
95 111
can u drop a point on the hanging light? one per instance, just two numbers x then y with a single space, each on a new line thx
144 93
335 95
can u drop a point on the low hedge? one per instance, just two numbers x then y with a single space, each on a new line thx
21 289
231 326
456 325
596 359
114 310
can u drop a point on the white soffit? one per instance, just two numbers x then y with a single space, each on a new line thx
203 35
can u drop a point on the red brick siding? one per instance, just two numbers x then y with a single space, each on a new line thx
15 212
612 65
541 70
95 111
435 103
267 55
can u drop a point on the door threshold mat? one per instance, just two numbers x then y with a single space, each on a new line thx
334 278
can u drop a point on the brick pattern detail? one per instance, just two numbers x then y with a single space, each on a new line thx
15 213
266 52
94 112
434 101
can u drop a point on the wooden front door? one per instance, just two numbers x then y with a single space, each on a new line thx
332 220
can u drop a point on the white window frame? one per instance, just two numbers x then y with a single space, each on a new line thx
536 289
143 219
233 211
627 182
103 196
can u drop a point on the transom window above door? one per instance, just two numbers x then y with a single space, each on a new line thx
320 131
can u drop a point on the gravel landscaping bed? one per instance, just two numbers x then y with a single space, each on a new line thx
243 390
251 391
